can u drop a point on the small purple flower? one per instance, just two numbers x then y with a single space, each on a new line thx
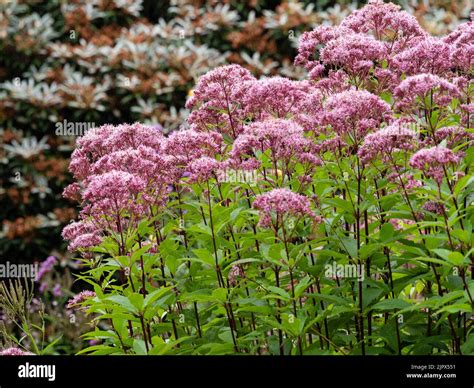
432 160
434 207
80 298
282 202
43 287
57 290
14 352
46 267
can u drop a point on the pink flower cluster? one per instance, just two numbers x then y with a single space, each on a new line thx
355 53
385 21
433 160
367 79
434 207
378 46
203 169
386 141
217 97
284 138
453 136
124 172
309 44
430 55
235 273
418 87
80 298
282 202
14 352
462 43
355 113
46 267
279 97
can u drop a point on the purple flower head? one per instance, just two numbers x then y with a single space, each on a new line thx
107 139
284 138
332 145
14 352
86 240
355 113
113 192
355 53
45 267
462 43
217 99
453 135
187 145
79 299
386 141
275 97
80 164
101 140
282 202
235 273
429 55
76 228
434 207
385 21
412 91
335 82
43 287
203 169
432 160
310 44
57 292
72 192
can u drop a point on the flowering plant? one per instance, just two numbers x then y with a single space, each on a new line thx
331 215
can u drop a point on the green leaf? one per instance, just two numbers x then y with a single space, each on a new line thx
456 308
468 347
337 300
50 346
153 296
369 249
462 184
349 245
205 256
390 304
386 232
140 252
139 347
443 253
123 302
302 286
340 203
136 300
292 324
282 294
220 294
100 350
456 258
197 296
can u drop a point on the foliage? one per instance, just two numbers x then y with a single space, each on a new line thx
326 216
